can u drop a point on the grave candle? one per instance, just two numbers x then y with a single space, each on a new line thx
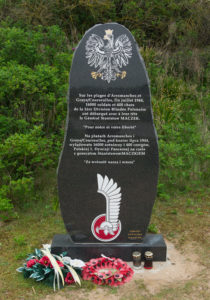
136 259
148 264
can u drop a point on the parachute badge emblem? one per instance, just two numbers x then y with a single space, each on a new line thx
107 227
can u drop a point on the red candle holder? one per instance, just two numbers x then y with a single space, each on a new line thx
148 263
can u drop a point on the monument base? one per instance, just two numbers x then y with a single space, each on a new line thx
86 251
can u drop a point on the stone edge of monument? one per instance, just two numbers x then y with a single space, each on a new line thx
86 251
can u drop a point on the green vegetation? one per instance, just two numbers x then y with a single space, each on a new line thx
35 62
36 41
166 23
33 86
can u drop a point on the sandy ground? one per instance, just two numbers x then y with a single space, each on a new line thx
179 267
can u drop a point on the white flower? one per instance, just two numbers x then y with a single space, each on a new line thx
46 246
75 263
66 260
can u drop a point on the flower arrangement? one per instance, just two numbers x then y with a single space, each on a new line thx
51 268
62 270
107 271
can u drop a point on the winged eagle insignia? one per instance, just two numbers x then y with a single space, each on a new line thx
108 55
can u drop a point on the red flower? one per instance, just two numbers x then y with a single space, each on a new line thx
93 261
69 279
60 263
45 261
118 275
96 280
110 281
31 262
128 275
85 275
101 275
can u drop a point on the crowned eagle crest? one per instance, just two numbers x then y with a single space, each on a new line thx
109 55
109 189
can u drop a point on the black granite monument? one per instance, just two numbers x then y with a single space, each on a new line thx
108 169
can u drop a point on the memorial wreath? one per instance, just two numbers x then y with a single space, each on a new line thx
107 271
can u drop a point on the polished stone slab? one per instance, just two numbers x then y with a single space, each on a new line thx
108 169
86 251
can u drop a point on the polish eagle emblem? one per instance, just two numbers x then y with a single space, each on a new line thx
108 55
107 227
